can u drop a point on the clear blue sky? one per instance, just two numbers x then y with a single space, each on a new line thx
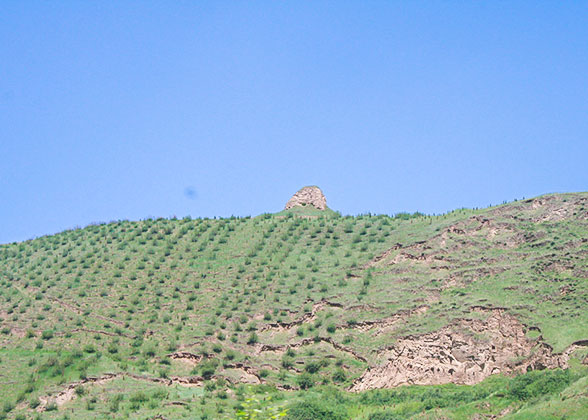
129 109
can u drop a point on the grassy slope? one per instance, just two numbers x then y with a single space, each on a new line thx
120 297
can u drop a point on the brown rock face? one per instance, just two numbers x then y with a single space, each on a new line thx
463 353
306 196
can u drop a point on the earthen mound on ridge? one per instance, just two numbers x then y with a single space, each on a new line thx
306 196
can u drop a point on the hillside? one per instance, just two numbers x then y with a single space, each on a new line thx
170 317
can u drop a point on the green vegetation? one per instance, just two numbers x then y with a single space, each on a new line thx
174 317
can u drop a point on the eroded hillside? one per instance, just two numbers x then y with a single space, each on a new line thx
292 301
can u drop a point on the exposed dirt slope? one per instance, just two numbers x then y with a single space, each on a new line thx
463 353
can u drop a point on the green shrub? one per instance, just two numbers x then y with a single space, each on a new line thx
89 348
207 369
339 376
314 409
305 380
7 407
47 335
139 397
252 339
312 367
537 383
287 362
114 403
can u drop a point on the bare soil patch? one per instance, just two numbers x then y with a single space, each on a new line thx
464 353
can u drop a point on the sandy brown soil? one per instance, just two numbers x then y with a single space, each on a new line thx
464 353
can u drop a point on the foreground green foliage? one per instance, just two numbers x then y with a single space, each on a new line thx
260 408
491 397
545 395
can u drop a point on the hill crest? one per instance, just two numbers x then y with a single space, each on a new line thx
362 302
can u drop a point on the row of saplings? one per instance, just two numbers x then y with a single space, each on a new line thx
305 380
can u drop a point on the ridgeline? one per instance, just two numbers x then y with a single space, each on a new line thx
475 312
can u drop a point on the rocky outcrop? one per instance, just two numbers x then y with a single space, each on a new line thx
308 196
463 353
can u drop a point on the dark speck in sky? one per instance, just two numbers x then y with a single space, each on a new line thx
190 193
